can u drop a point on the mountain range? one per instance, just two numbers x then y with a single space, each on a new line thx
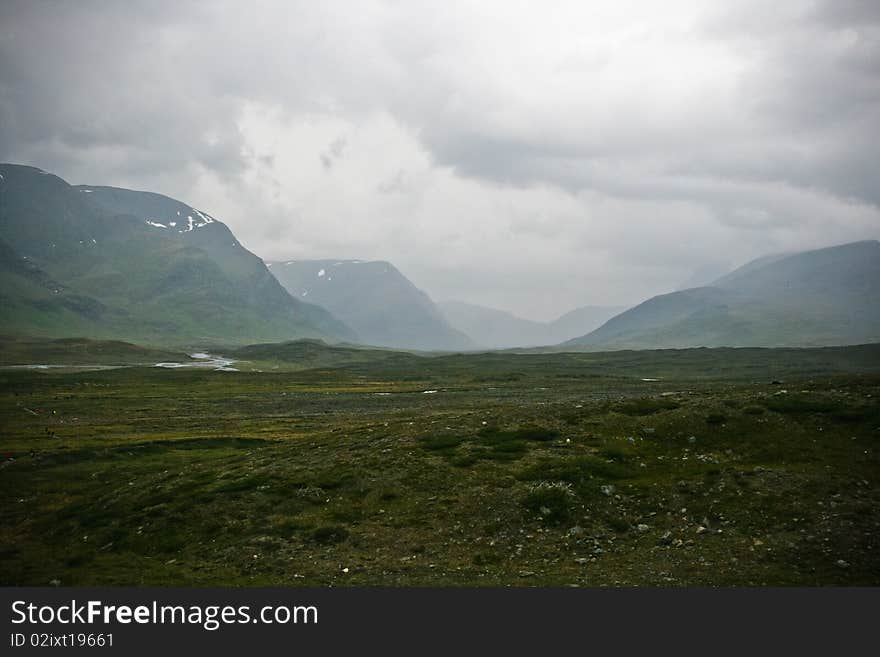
112 263
109 263
497 329
825 296
374 299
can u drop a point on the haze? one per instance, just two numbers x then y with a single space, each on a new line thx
514 155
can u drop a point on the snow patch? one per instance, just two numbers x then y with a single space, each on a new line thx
306 293
86 191
429 392
208 219
156 224
321 273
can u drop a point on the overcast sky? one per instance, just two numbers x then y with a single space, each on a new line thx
531 156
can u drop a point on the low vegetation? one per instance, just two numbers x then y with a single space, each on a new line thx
751 467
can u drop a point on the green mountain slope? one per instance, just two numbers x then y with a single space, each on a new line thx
823 297
375 299
107 263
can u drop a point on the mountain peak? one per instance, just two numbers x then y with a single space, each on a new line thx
375 299
819 297
112 262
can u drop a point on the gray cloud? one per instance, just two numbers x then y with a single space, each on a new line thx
492 150
334 151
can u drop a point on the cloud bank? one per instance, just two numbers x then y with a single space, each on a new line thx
528 157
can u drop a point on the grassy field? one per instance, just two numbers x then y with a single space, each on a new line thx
321 466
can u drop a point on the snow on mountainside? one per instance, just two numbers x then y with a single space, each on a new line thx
374 299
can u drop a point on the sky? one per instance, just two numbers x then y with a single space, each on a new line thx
528 156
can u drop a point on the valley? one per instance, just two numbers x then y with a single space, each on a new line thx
334 466
228 421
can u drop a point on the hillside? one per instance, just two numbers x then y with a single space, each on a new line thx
377 301
81 351
113 263
821 297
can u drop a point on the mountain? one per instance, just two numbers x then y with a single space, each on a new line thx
497 329
115 263
491 328
579 321
753 265
823 297
703 276
375 299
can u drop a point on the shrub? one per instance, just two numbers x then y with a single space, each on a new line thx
716 418
538 434
639 407
796 405
550 501
575 470
330 534
437 443
615 453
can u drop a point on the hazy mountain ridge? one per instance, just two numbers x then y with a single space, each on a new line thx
115 263
77 262
497 329
375 299
814 298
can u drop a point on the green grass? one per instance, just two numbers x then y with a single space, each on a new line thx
575 471
79 351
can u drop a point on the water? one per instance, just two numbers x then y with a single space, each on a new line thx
204 361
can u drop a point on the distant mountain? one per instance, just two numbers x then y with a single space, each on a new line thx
114 263
375 299
703 276
497 329
491 328
580 321
752 265
823 297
